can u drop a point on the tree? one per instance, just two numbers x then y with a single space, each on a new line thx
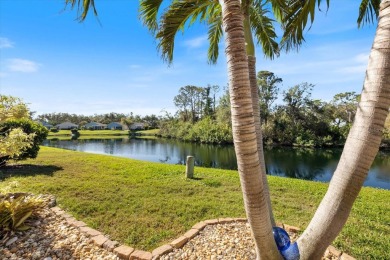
12 108
363 140
182 12
14 144
365 135
19 136
267 83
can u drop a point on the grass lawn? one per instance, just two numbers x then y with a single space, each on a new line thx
151 132
144 204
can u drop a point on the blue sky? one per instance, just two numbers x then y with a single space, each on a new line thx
56 64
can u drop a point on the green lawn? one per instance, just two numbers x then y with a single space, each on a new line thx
151 132
144 204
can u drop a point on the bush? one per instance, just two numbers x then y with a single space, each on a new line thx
28 127
16 208
54 130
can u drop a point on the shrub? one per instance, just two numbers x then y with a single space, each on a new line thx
14 144
54 130
28 127
16 208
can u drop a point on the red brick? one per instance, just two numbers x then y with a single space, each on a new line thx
123 252
200 226
76 223
110 245
162 250
90 231
99 240
211 221
140 255
332 250
191 233
179 242
225 220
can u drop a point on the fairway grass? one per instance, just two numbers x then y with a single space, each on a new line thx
145 204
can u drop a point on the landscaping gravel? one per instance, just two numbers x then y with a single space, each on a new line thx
51 238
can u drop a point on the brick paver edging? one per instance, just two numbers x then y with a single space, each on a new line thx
129 253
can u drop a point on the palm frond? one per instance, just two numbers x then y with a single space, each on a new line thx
263 29
279 8
368 11
148 13
179 13
296 19
83 7
215 33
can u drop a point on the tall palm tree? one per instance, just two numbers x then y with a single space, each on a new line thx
362 143
256 20
365 135
183 12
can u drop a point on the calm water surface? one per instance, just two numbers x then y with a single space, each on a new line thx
308 164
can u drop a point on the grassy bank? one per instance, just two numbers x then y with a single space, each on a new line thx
145 204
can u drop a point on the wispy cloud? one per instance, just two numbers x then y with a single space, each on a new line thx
196 42
5 43
21 65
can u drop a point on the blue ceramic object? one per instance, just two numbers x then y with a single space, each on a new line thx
287 250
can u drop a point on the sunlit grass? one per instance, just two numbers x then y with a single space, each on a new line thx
145 204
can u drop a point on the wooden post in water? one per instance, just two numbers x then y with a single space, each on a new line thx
190 167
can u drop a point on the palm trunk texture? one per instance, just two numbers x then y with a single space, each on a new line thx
360 148
244 134
256 109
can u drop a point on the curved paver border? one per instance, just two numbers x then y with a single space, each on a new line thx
129 253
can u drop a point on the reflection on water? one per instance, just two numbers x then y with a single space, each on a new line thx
302 163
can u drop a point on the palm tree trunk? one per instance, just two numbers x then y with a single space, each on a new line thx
250 50
244 134
260 150
360 148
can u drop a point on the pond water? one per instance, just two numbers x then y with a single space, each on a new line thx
308 164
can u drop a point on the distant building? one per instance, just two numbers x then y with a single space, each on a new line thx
46 124
66 126
117 126
137 126
95 126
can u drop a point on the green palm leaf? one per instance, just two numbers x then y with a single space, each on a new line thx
179 13
296 19
215 33
149 13
263 29
368 11
83 6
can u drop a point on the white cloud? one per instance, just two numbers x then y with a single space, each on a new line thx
21 65
196 42
5 43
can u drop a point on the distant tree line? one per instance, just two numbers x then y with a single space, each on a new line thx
296 120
